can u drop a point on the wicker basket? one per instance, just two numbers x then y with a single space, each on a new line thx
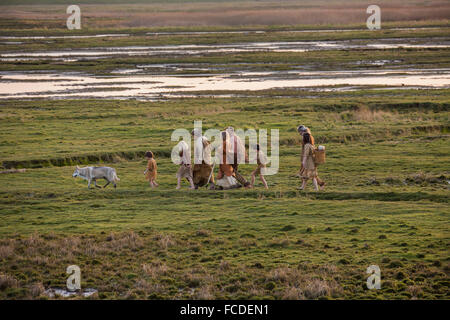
319 156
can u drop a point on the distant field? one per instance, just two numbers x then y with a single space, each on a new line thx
113 14
226 62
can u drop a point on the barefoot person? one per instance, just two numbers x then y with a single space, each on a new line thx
151 171
261 161
302 130
185 170
309 169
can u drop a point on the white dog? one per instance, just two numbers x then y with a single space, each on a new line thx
93 173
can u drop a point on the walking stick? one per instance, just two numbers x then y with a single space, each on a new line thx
212 171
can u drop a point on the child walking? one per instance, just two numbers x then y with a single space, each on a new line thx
261 161
151 171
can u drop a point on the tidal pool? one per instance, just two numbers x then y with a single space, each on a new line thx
193 49
76 85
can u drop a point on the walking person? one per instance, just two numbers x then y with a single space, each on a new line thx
261 161
302 130
309 168
239 155
185 169
151 170
226 169
202 170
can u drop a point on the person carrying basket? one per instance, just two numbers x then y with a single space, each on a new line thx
303 130
309 165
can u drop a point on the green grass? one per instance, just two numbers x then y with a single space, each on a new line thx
235 62
139 37
42 27
386 201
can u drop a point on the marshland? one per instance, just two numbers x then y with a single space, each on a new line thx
105 94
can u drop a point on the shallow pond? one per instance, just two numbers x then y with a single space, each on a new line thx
77 85
193 49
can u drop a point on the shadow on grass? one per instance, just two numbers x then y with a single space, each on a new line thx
92 194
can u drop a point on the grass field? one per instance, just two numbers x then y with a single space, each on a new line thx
386 202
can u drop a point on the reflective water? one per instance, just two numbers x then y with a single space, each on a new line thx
76 85
193 49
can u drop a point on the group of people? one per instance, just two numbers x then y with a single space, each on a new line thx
233 152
